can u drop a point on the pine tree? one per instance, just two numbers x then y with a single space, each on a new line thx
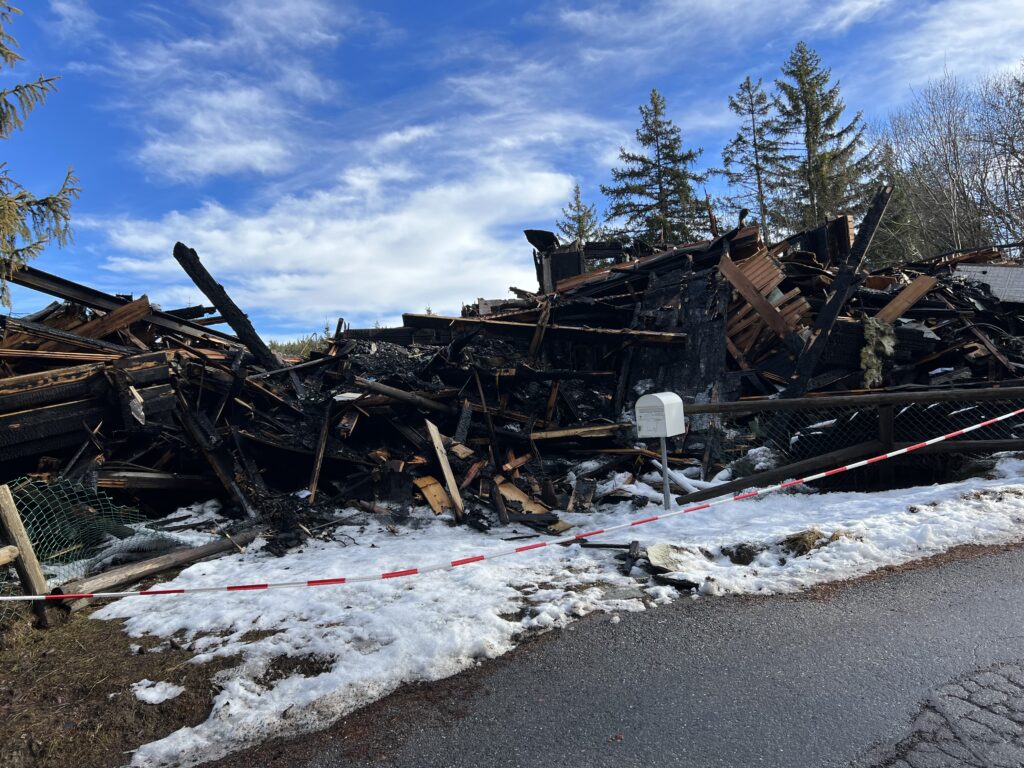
580 220
753 152
653 190
824 167
27 222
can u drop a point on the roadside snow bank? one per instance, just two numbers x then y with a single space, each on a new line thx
362 641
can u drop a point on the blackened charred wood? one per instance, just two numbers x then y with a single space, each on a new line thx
868 227
321 449
38 330
233 315
499 504
542 518
403 396
843 286
216 456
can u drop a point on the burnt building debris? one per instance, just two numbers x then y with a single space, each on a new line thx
484 415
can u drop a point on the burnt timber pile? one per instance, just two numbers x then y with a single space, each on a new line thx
485 414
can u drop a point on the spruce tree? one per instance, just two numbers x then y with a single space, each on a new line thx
652 193
27 222
580 220
753 152
824 167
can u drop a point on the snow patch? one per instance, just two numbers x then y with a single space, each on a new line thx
369 638
149 692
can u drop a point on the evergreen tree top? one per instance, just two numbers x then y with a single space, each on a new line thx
27 222
652 188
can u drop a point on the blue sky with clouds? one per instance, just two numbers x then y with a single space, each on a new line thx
328 158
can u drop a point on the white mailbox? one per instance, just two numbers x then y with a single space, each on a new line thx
660 415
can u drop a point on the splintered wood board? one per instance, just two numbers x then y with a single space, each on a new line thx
513 493
446 469
435 494
905 299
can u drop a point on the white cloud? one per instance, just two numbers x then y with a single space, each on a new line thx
218 131
75 18
967 37
840 15
232 90
342 252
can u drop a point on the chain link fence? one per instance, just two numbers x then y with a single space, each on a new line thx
76 531
805 434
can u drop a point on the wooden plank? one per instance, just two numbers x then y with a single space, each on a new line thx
512 492
598 430
128 574
60 357
472 473
458 508
549 411
33 582
36 279
30 329
435 494
8 555
516 462
402 395
137 480
499 503
905 299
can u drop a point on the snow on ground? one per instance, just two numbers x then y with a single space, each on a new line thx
149 692
362 641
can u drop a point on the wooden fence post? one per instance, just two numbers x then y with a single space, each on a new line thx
27 565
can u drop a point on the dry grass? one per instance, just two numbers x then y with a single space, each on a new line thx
66 698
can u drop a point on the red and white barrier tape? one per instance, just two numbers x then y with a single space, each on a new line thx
450 564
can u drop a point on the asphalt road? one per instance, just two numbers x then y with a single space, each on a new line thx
915 668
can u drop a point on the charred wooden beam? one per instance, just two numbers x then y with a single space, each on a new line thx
36 279
69 338
235 317
405 397
528 329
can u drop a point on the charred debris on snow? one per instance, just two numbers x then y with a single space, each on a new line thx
485 415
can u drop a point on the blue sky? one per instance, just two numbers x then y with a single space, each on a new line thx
331 159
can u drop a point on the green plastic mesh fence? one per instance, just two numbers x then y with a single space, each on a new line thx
76 531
